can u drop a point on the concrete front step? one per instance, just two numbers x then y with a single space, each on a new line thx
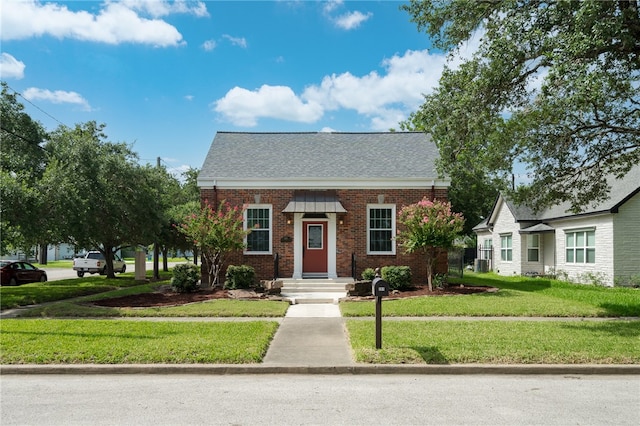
314 290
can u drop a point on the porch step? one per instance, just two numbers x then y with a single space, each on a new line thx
314 290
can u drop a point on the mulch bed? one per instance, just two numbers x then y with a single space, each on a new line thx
166 297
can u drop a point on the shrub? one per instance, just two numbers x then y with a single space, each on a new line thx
242 276
440 281
398 277
368 274
185 277
628 281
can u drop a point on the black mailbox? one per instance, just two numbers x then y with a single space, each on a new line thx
379 287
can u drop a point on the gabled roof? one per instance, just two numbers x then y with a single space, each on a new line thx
621 191
400 157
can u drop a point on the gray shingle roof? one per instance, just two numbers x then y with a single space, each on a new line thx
274 156
621 190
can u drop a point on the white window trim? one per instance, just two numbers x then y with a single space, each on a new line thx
244 225
392 207
506 249
575 247
532 247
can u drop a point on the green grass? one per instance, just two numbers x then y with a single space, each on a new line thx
133 342
212 308
34 293
57 264
518 296
499 342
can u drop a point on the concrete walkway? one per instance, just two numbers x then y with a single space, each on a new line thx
310 335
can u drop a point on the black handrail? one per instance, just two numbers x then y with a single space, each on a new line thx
353 265
276 261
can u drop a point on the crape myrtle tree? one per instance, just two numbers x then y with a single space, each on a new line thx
24 212
427 227
554 85
104 198
216 233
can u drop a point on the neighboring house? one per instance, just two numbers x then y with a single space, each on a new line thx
326 203
599 245
60 251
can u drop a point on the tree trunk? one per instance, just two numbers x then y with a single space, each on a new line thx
156 266
43 254
165 260
431 257
108 257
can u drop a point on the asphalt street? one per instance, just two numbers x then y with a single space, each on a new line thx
317 399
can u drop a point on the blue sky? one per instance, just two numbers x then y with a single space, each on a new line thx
165 76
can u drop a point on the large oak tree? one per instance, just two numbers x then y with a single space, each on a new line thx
104 199
554 85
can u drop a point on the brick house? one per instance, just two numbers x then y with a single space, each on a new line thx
326 203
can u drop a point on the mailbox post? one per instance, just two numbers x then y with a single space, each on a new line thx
379 288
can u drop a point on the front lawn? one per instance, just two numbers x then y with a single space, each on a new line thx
497 342
33 293
133 342
212 308
518 296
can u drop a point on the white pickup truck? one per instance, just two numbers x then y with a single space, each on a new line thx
94 263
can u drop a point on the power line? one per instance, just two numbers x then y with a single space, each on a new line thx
36 106
29 141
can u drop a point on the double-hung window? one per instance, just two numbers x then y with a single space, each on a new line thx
381 227
486 248
506 249
581 246
257 218
533 248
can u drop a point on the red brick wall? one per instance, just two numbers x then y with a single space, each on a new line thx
351 234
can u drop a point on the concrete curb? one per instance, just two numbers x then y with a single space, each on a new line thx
227 369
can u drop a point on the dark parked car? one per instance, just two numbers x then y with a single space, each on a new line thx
14 272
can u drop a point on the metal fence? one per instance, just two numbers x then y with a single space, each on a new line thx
484 262
455 258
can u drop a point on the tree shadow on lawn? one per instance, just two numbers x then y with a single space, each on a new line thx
512 283
431 354
615 327
619 310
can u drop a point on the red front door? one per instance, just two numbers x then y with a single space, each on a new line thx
314 251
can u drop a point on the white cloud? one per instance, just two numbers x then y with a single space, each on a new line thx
346 21
236 41
10 67
331 5
157 8
243 107
56 97
115 23
351 20
189 97
209 45
385 98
